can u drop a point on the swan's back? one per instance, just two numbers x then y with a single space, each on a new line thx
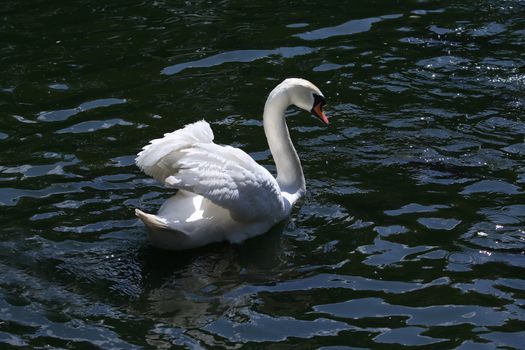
187 159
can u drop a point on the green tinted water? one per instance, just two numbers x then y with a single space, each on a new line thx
411 233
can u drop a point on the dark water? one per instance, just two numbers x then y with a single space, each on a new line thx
412 232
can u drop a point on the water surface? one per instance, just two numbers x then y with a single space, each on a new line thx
412 232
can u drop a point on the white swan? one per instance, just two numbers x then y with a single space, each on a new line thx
224 195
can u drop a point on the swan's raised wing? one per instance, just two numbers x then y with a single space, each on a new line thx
188 159
152 159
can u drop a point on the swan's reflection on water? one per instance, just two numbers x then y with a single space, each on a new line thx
187 289
192 296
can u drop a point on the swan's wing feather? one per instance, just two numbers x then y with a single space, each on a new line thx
228 177
225 175
152 157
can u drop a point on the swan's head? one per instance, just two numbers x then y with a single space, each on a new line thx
307 96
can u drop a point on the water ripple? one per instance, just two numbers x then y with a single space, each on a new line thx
238 56
351 27
443 315
64 114
93 125
263 328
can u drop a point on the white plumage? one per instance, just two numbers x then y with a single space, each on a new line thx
223 193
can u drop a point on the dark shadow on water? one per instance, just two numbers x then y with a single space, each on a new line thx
260 253
264 251
189 287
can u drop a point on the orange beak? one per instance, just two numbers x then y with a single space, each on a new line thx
318 112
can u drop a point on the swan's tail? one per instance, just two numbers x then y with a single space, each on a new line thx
162 235
151 221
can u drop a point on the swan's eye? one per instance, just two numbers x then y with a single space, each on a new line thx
319 100
317 109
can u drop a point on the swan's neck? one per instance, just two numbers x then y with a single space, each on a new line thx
289 171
